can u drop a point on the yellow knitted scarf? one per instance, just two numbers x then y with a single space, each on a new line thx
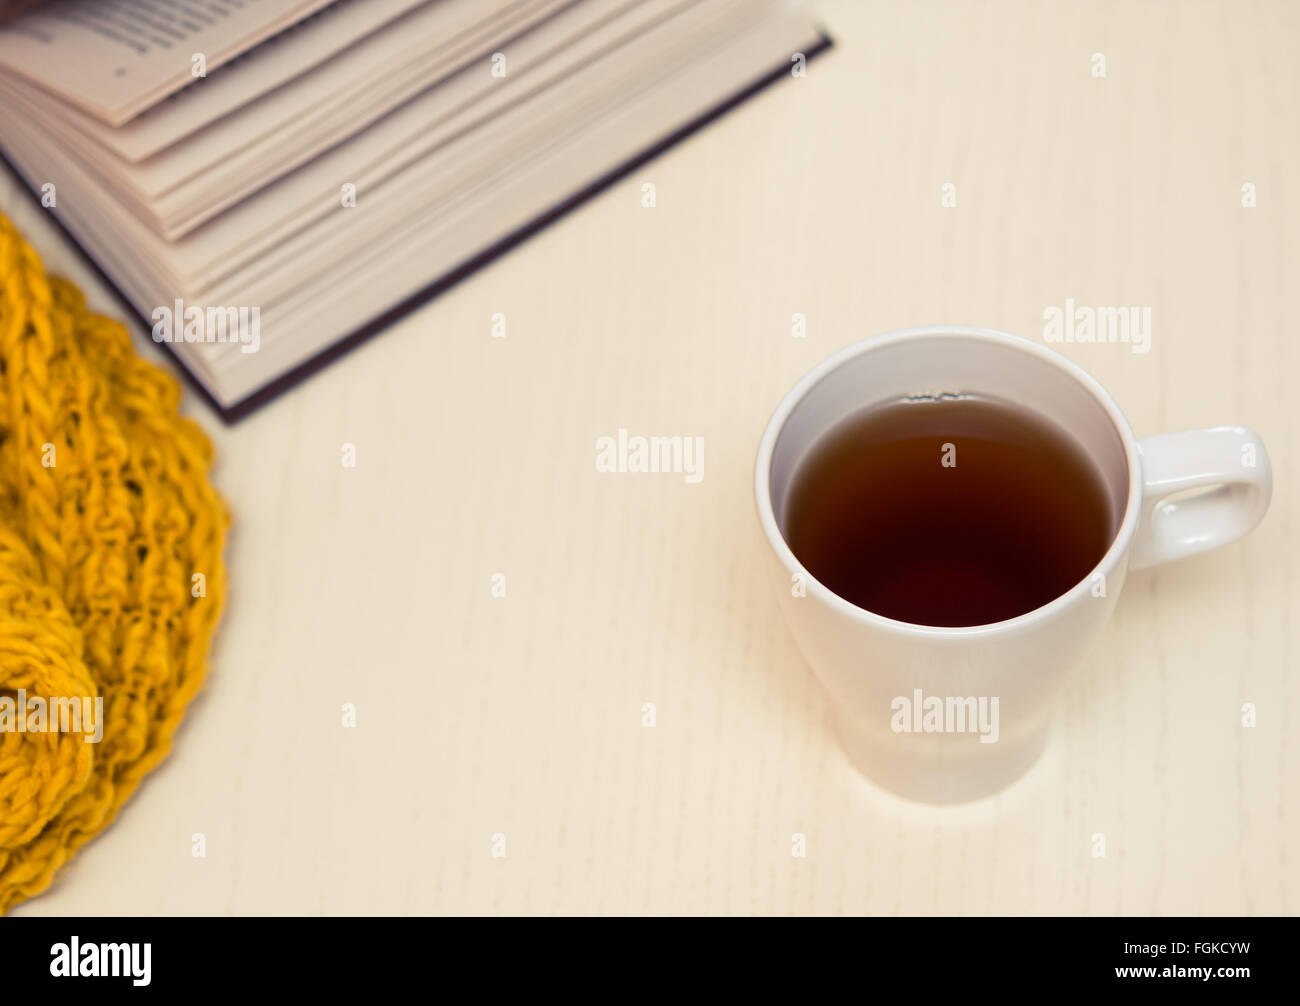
111 575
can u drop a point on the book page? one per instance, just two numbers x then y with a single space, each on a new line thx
325 273
260 224
293 332
309 43
116 58
239 155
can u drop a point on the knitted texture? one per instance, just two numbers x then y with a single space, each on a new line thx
111 575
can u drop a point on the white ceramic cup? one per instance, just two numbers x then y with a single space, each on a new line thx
870 664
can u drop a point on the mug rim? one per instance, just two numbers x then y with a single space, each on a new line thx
805 385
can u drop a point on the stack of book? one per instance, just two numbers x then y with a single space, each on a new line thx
266 182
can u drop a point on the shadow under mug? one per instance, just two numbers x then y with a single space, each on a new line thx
884 676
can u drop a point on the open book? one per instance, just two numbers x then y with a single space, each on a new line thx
267 182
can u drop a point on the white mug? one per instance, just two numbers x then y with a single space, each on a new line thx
996 685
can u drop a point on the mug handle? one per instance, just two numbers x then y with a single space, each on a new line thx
1232 458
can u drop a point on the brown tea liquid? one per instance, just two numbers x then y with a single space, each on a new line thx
950 511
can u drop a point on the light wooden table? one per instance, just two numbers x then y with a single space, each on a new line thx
522 716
